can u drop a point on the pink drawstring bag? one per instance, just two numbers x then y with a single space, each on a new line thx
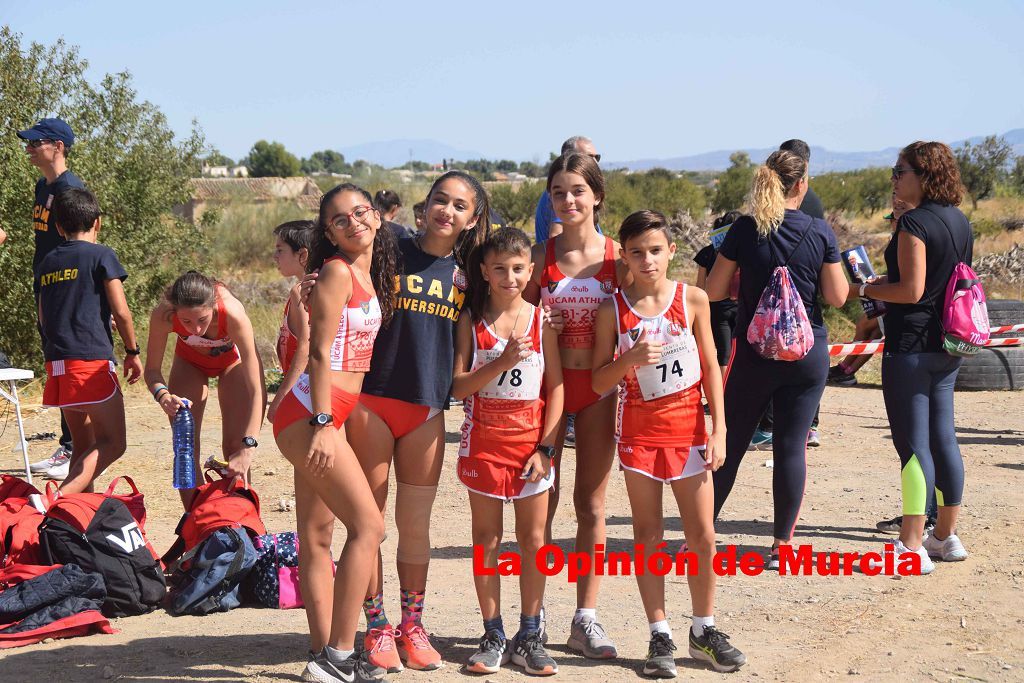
780 328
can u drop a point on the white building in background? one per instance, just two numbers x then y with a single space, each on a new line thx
225 171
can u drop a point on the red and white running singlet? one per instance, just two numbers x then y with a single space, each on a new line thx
287 343
504 419
578 297
660 404
357 330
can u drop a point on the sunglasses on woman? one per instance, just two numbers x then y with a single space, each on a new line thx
898 171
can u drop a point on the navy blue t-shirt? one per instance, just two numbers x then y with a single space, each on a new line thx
47 237
753 255
414 355
71 281
917 328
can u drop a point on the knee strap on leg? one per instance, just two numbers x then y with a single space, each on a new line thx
412 517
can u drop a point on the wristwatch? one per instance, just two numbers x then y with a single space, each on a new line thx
133 352
249 442
863 286
547 450
322 420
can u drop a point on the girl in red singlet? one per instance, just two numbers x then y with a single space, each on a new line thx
508 372
354 297
214 339
654 338
291 254
573 274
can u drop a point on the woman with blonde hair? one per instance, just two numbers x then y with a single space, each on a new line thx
776 233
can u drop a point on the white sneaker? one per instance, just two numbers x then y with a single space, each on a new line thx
58 472
59 457
948 550
927 566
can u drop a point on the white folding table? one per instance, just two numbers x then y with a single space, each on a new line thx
9 377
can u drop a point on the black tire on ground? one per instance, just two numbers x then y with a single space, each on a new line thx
1005 312
997 369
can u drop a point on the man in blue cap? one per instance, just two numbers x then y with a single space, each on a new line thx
47 144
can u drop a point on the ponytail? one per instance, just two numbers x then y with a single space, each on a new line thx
772 184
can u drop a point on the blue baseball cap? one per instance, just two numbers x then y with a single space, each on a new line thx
49 129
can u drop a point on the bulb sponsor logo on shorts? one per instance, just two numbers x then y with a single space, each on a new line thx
472 474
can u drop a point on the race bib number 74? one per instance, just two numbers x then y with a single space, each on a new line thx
678 369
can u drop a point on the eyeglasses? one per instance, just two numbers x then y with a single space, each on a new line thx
898 171
36 144
595 157
344 221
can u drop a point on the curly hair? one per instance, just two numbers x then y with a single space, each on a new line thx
384 266
936 166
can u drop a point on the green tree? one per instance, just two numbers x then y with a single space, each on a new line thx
325 161
531 170
516 204
215 158
734 183
271 159
1017 176
416 166
982 165
126 154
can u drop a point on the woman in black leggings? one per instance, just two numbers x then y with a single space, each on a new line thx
917 375
776 233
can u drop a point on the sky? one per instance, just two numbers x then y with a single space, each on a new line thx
513 79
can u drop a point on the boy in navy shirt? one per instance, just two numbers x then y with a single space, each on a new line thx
80 289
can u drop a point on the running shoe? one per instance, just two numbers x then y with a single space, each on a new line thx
762 441
589 638
840 378
713 647
892 526
660 663
381 649
528 652
492 653
948 550
570 431
59 472
813 438
771 560
927 566
416 651
59 457
355 669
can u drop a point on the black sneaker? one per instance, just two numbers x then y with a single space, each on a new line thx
771 560
839 378
355 669
892 526
492 653
713 647
660 663
529 653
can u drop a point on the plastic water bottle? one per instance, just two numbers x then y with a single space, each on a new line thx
183 436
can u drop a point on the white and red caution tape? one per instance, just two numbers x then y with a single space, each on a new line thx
1007 328
861 348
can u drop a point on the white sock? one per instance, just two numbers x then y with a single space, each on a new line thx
337 656
697 628
660 627
585 612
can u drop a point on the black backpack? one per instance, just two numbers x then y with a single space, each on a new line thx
100 535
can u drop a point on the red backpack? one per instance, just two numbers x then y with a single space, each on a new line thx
217 504
19 522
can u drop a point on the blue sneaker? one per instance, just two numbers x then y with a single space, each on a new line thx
762 441
570 431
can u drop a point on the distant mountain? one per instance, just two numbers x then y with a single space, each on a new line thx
394 153
822 160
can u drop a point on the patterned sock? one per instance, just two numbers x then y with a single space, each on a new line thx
373 608
528 624
412 607
495 624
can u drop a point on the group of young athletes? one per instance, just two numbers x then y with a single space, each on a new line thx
381 332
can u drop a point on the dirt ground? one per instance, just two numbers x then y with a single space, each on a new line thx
964 622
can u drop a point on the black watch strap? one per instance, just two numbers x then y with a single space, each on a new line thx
322 420
547 450
133 352
249 442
